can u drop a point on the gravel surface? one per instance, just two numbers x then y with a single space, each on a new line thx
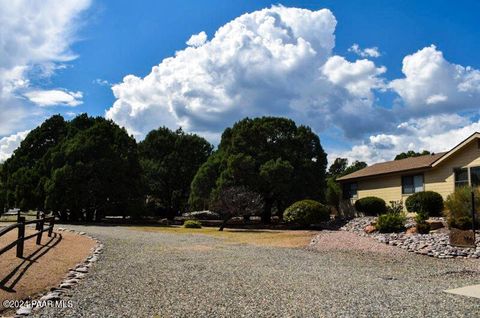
144 274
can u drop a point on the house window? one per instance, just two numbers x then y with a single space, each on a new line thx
475 176
350 190
412 184
461 177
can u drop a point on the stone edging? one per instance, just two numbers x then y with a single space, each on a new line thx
74 276
434 245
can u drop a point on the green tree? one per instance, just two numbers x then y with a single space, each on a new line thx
170 160
411 153
338 167
355 166
95 172
24 173
270 156
334 193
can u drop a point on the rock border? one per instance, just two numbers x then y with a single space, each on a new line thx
433 244
73 278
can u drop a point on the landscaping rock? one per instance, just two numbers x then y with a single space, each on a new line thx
82 269
369 229
436 244
435 224
24 311
411 230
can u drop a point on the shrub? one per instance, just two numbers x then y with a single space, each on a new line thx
459 208
371 206
391 222
202 215
422 226
192 224
429 202
306 212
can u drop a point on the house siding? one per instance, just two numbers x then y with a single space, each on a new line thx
389 188
440 179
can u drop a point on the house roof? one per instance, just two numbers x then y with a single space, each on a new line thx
408 164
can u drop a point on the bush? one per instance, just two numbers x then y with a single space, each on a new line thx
422 226
306 212
459 208
371 206
202 215
428 202
192 224
391 222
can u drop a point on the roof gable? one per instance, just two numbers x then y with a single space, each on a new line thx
394 166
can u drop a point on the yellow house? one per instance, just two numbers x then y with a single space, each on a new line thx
396 180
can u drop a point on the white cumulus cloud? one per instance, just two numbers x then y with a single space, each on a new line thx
197 39
10 143
275 61
55 97
367 52
432 84
35 40
436 133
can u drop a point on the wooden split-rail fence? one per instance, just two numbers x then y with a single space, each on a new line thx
40 228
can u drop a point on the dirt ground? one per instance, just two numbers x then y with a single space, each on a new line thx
276 238
43 266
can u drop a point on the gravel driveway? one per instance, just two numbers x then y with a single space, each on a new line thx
145 274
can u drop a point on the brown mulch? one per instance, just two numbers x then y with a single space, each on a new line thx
43 266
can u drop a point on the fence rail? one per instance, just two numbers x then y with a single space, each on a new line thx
21 238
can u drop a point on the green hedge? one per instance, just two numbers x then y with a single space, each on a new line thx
306 212
428 202
371 206
192 224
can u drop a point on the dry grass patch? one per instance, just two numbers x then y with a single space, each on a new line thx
43 266
277 238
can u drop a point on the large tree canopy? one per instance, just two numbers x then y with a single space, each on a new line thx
79 169
170 160
411 153
270 156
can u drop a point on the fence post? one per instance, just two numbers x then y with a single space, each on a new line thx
38 217
40 230
21 235
52 222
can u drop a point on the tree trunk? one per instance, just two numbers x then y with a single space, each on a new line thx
222 226
267 212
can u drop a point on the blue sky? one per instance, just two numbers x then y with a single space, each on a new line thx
359 111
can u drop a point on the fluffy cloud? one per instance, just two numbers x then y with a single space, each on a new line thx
55 97
35 41
275 61
10 143
359 77
197 39
432 84
367 52
435 133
